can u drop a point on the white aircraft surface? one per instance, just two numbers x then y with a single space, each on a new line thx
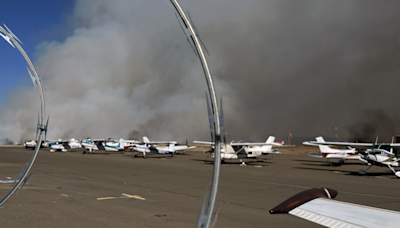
328 152
382 154
106 144
65 145
317 205
240 150
147 146
32 144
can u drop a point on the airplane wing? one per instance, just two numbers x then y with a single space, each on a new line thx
395 145
250 144
342 144
160 142
178 148
314 205
203 142
132 141
309 144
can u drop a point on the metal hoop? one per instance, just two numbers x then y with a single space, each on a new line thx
24 175
194 40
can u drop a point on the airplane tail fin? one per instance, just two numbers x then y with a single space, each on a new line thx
323 148
121 143
270 140
146 140
171 147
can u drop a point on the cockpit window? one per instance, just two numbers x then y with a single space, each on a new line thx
385 147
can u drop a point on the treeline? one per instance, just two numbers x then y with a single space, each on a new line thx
6 141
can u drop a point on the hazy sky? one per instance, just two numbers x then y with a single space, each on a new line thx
32 22
123 68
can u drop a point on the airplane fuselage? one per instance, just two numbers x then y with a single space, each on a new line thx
381 157
146 149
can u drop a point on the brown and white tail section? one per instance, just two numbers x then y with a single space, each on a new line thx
315 206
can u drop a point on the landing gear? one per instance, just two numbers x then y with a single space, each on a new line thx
144 156
222 161
341 161
363 172
135 155
172 155
84 152
243 163
394 171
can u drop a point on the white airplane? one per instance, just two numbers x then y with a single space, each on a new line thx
317 205
328 152
32 144
64 145
235 150
240 150
148 147
382 154
106 144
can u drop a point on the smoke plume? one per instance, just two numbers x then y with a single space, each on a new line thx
126 70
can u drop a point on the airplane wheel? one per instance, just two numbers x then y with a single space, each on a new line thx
135 156
84 152
362 172
341 161
144 157
183 152
222 161
172 155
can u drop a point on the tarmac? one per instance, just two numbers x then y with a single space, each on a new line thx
110 189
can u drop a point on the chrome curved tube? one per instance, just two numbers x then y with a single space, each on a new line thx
195 41
41 128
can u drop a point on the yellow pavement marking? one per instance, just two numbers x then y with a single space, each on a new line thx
107 198
124 195
134 196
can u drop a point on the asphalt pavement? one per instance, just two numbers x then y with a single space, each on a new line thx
110 189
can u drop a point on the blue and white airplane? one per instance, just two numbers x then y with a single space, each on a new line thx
65 145
107 144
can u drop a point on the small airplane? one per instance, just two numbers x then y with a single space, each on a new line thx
237 150
147 146
328 152
64 145
31 144
317 205
379 154
243 150
105 144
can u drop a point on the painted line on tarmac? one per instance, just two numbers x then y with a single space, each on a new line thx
305 187
124 196
378 196
292 186
107 198
285 185
134 196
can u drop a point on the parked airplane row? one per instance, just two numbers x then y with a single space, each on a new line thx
233 150
379 154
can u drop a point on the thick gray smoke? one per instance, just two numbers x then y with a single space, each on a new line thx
126 70
6 141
